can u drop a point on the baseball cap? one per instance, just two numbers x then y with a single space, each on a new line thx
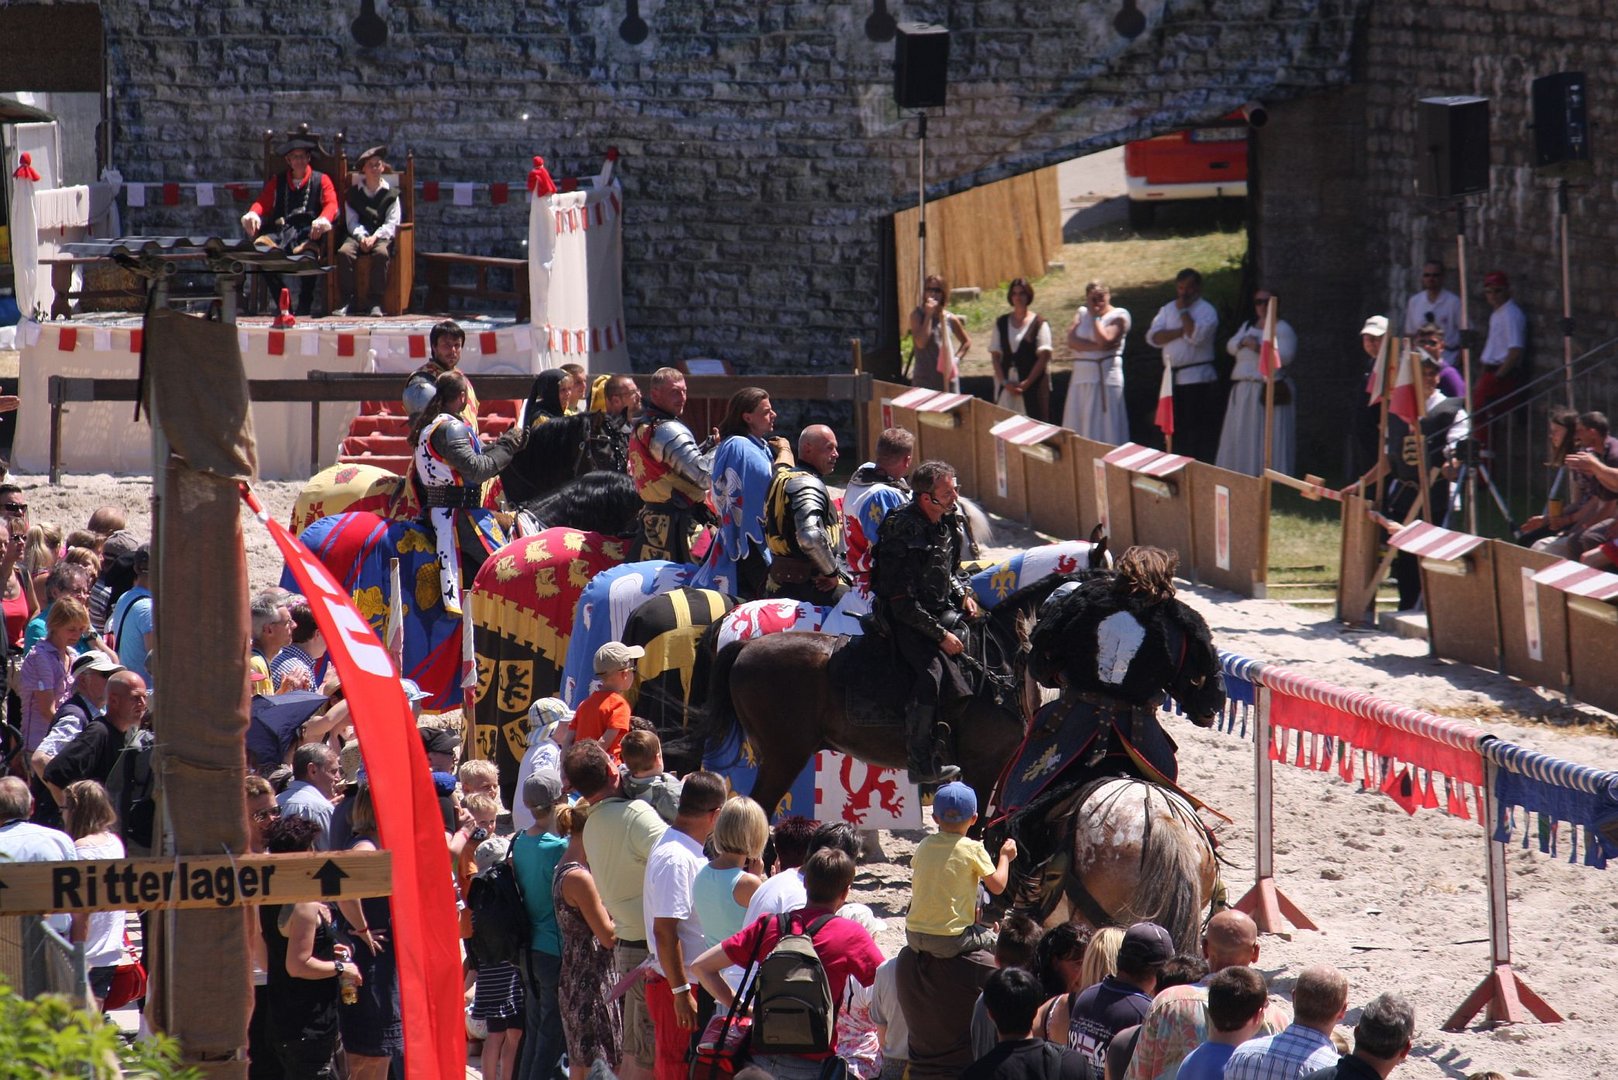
122 542
413 691
1145 944
615 655
542 788
439 740
1376 326
96 661
1496 278
954 803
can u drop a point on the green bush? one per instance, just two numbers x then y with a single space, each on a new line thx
47 1037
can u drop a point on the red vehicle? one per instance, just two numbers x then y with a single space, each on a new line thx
1208 162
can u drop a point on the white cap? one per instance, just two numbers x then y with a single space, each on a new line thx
1376 326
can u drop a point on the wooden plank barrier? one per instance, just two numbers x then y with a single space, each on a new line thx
1225 506
999 464
1458 591
1085 458
1052 492
943 424
1592 651
1159 498
1533 617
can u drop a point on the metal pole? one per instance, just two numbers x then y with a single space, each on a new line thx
1567 294
1466 369
921 222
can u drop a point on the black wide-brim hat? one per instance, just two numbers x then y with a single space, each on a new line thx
374 152
298 142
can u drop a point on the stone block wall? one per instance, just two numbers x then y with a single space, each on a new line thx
762 150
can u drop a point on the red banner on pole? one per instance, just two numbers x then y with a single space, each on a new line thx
426 931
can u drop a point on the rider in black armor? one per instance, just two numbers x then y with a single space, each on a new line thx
921 591
1116 644
801 526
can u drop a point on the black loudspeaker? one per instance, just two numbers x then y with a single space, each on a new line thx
1452 144
1561 126
920 66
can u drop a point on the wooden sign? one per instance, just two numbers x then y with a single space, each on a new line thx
41 888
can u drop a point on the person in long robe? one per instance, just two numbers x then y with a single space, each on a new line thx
738 561
1241 442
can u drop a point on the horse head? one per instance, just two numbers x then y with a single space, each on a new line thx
599 502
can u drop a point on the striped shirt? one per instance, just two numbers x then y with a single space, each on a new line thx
1295 1052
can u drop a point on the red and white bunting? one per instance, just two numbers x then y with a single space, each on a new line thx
1023 431
920 399
1430 542
1576 579
140 193
582 340
1146 461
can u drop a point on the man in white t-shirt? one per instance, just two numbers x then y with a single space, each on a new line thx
1184 329
1437 305
546 717
1503 352
23 841
671 919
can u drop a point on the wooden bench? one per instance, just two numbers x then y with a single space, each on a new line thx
435 267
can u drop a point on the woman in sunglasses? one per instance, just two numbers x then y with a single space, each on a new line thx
940 340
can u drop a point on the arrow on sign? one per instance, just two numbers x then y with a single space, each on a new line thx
330 876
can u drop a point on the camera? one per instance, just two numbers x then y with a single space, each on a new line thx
479 835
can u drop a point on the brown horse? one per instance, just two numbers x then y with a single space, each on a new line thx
779 689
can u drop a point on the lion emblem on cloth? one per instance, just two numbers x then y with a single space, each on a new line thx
879 784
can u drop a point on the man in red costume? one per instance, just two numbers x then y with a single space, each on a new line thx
295 207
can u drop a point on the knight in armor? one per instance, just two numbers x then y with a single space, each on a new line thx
1116 644
371 212
671 473
921 592
446 340
875 489
619 404
802 528
297 206
451 466
1429 447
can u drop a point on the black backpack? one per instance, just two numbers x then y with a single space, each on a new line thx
132 790
500 929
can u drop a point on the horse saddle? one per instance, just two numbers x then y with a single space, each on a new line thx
862 669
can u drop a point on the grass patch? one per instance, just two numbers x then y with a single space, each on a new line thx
1140 269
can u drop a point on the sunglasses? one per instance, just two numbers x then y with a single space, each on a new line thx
270 814
14 508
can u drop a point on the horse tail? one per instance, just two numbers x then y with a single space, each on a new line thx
1171 860
717 717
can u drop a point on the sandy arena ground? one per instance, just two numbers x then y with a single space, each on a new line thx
1400 899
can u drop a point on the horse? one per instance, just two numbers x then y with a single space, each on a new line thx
778 689
1128 851
598 502
560 449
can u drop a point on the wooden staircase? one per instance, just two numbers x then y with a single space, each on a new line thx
380 434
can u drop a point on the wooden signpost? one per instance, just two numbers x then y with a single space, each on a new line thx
187 881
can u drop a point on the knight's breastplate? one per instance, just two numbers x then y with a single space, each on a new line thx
651 475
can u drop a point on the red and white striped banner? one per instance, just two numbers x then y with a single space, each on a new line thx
1576 579
1146 461
921 399
1023 431
1430 542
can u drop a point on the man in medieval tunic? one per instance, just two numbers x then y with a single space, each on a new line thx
671 473
451 466
445 341
921 594
802 527
297 206
372 216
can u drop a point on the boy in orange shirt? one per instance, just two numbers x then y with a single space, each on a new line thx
604 715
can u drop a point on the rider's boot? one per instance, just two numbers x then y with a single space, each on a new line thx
921 760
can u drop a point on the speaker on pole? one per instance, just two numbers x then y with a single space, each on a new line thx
920 65
1561 123
1452 143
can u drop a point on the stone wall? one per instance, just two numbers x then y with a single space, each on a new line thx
762 150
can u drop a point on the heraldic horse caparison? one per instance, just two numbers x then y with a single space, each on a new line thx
1131 848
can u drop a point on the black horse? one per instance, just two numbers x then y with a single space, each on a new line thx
598 502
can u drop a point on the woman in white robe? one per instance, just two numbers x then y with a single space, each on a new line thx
1095 391
1241 442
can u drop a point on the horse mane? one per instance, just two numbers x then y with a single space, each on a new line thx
1170 866
1027 599
599 502
547 459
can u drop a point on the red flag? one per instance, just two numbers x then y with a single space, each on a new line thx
171 194
1269 357
1402 401
425 930
1165 401
429 191
499 193
135 339
488 344
345 344
278 342
418 346
1403 788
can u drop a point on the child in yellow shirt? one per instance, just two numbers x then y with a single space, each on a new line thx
945 872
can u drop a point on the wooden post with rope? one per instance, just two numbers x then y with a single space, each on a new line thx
1270 908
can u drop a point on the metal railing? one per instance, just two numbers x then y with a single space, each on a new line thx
1517 474
36 960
